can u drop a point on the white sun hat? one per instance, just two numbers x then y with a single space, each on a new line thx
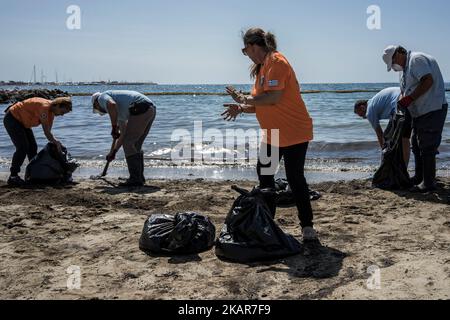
388 55
95 96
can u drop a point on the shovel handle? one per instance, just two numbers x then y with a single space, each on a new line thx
105 170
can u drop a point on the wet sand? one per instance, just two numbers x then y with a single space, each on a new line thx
44 231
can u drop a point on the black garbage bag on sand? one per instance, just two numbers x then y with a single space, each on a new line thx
285 197
184 233
51 167
393 173
250 233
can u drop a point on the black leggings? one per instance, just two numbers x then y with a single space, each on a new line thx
24 141
294 161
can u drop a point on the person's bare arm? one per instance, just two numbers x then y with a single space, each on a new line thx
123 129
119 142
113 112
48 132
425 84
248 109
264 99
380 136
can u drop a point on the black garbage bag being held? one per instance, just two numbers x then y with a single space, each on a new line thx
51 167
184 233
250 233
393 173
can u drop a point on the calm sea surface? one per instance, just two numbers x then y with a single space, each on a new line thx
343 142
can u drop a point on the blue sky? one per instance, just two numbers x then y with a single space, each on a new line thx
198 41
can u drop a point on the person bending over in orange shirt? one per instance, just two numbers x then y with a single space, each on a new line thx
19 120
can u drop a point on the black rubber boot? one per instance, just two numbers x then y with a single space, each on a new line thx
15 182
429 175
134 168
418 177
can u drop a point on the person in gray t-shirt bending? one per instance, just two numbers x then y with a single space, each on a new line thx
423 92
382 107
132 115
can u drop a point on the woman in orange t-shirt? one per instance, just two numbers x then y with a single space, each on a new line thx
282 114
19 120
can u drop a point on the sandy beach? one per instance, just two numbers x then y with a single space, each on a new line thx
44 231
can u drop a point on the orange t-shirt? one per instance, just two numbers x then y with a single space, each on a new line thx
289 115
33 112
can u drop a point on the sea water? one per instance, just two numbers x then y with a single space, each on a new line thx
344 145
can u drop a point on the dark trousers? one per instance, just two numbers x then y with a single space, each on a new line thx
427 132
294 161
23 139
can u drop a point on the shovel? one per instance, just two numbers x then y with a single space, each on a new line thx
105 170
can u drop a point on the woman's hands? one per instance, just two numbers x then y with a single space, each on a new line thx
233 110
238 96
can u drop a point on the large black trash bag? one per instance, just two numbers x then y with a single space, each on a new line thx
51 167
393 173
285 197
184 233
250 233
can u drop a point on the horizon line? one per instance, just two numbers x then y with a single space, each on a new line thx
114 82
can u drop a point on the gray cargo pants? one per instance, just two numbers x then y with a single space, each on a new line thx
137 130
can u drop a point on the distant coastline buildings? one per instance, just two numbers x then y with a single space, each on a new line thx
82 83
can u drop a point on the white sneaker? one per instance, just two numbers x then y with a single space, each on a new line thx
309 234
